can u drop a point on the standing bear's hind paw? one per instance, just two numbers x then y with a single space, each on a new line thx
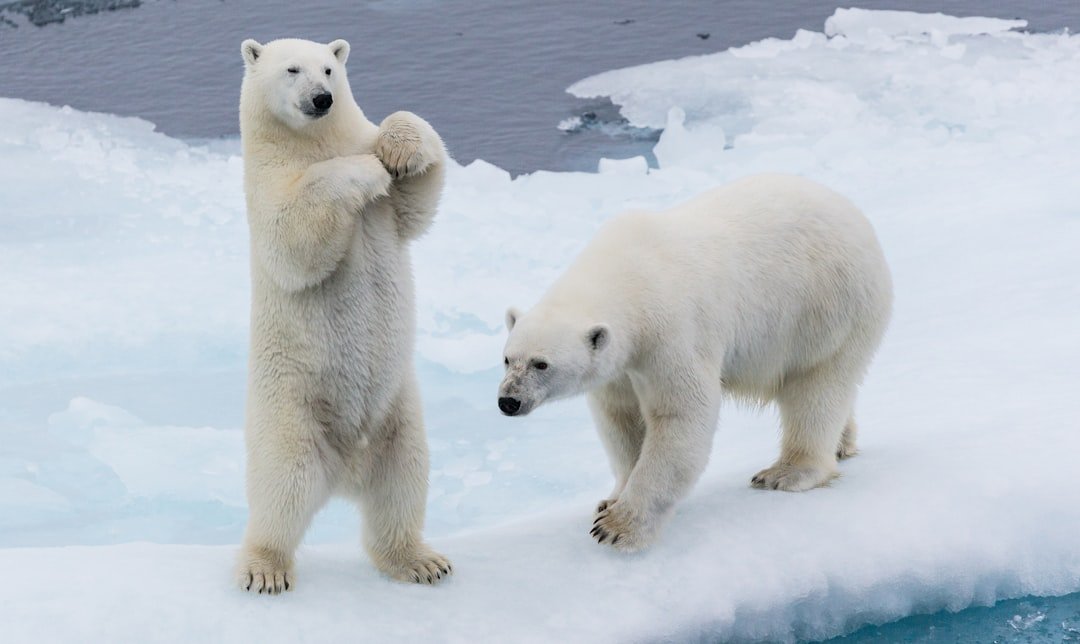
263 571
423 567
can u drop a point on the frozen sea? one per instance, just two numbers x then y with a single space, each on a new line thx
489 74
123 268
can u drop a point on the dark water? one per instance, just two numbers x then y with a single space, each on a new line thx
1032 620
490 75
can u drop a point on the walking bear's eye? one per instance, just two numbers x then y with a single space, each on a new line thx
327 71
506 361
294 70
540 365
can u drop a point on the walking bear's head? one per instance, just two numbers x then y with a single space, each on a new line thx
550 356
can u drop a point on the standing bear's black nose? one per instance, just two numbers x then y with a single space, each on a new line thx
323 101
509 406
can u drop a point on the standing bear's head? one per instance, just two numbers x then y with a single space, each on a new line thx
550 356
295 82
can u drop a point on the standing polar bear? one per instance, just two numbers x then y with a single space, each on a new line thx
333 202
772 288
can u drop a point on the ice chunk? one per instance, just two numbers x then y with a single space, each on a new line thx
634 166
679 146
865 26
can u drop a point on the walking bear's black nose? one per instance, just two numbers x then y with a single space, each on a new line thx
509 406
323 101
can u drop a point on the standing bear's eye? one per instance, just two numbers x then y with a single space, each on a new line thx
327 71
294 70
506 361
541 365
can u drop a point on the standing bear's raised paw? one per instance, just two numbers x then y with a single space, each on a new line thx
407 145
622 527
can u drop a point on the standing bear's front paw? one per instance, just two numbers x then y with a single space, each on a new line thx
621 526
407 145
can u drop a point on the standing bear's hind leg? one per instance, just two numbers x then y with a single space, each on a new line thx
392 491
287 483
814 410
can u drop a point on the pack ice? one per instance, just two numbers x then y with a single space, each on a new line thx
123 339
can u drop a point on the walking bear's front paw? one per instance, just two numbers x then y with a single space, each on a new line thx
621 526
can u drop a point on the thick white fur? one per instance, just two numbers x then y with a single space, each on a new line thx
772 288
333 407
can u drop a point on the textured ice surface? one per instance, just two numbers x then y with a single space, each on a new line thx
123 272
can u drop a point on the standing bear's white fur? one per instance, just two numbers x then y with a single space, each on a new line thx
772 288
333 202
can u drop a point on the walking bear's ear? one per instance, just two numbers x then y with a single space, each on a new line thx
512 316
598 337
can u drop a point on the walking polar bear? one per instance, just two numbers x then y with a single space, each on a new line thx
333 202
772 288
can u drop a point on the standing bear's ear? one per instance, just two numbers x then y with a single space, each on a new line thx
597 338
512 316
250 50
340 50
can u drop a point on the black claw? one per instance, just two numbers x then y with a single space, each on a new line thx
416 578
251 580
615 540
286 584
776 486
429 579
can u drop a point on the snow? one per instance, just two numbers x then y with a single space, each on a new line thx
123 269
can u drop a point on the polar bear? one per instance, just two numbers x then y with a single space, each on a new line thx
772 288
333 202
